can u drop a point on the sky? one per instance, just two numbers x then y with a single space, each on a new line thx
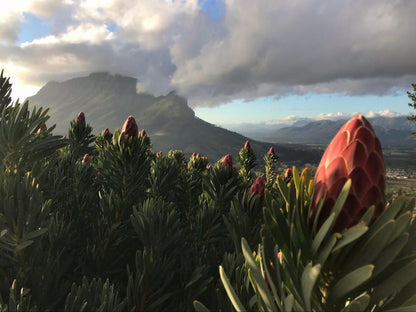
235 61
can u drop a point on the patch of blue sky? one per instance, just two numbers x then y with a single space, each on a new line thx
111 27
32 27
310 105
214 8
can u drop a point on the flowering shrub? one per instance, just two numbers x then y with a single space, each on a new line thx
102 223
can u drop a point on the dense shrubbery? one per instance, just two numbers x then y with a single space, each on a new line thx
104 224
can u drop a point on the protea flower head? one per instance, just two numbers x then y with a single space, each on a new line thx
354 153
227 161
271 151
258 188
129 127
80 118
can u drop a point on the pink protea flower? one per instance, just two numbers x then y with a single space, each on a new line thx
227 161
257 188
271 151
247 145
354 153
129 127
80 118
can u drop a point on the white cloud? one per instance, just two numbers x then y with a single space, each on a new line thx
256 49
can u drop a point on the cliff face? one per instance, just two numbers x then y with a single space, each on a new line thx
107 100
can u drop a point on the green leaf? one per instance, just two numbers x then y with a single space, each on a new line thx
366 218
35 233
411 308
327 249
323 231
23 245
390 253
230 291
359 304
199 307
351 281
308 280
258 278
395 282
350 235
402 224
288 303
389 213
372 246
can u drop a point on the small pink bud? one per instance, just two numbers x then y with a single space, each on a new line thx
198 155
354 153
209 166
105 132
271 151
86 159
42 129
159 154
129 127
194 154
288 175
81 118
258 188
142 133
227 161
247 145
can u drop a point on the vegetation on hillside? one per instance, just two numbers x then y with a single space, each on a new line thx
102 223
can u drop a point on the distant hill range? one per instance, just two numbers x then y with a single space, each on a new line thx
107 100
391 131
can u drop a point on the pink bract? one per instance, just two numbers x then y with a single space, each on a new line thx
130 127
354 153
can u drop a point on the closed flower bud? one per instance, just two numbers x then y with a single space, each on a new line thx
105 132
80 118
271 151
227 161
86 159
354 153
288 175
142 133
129 127
257 188
42 128
247 145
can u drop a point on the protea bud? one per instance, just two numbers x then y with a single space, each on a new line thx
41 129
354 153
271 151
288 175
142 133
258 188
86 159
129 127
227 161
80 118
247 145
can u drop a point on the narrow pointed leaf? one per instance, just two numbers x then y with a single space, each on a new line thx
350 235
308 280
351 281
230 291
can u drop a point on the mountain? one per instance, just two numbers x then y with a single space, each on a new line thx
392 132
107 100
